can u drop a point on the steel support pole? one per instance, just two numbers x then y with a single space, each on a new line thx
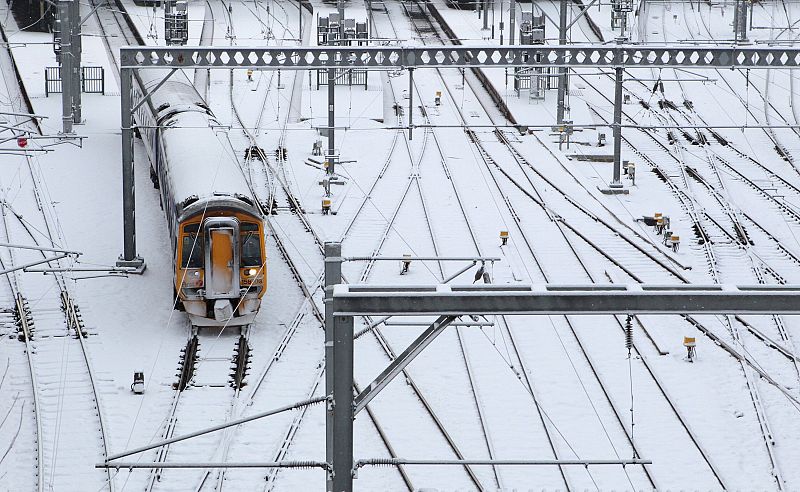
370 19
512 22
331 121
742 24
66 64
75 48
615 182
340 7
502 24
129 257
410 103
562 71
485 6
338 381
341 415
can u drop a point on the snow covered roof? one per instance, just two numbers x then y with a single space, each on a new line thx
200 160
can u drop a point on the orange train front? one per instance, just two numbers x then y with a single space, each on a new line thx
217 232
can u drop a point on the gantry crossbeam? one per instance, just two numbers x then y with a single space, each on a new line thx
619 56
452 300
574 56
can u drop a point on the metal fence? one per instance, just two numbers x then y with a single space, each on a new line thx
344 76
522 78
92 80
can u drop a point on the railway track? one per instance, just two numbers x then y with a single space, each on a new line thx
767 433
309 230
520 361
70 432
758 270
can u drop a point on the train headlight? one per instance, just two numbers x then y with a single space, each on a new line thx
250 272
193 279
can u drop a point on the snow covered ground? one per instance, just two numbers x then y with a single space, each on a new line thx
519 388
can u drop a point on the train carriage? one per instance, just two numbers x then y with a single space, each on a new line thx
216 229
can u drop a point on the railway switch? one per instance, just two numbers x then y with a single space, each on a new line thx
503 238
690 343
138 382
326 206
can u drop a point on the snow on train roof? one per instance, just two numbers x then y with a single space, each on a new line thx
200 159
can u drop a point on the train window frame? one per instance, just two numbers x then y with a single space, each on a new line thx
192 251
247 231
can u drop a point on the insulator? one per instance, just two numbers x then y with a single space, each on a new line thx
629 333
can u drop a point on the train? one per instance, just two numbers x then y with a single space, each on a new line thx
215 225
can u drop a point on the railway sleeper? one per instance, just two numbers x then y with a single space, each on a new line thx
741 233
781 152
187 365
241 363
719 138
23 319
255 152
73 315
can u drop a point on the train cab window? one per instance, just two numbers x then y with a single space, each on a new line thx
192 248
251 245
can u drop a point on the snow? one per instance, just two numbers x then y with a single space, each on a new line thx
577 367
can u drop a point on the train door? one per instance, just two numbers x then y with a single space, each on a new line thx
222 258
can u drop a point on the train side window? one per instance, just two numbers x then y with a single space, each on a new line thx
192 252
251 245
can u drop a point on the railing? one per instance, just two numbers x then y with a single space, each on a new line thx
92 80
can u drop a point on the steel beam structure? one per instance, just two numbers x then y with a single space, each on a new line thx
512 22
573 56
410 104
452 300
562 71
403 360
67 60
76 48
339 423
616 179
129 258
215 428
628 56
344 302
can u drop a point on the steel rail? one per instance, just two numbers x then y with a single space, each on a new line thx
301 283
430 132
752 386
72 320
23 314
488 162
756 269
680 418
559 222
710 254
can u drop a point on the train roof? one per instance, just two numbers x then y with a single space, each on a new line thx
201 166
200 162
